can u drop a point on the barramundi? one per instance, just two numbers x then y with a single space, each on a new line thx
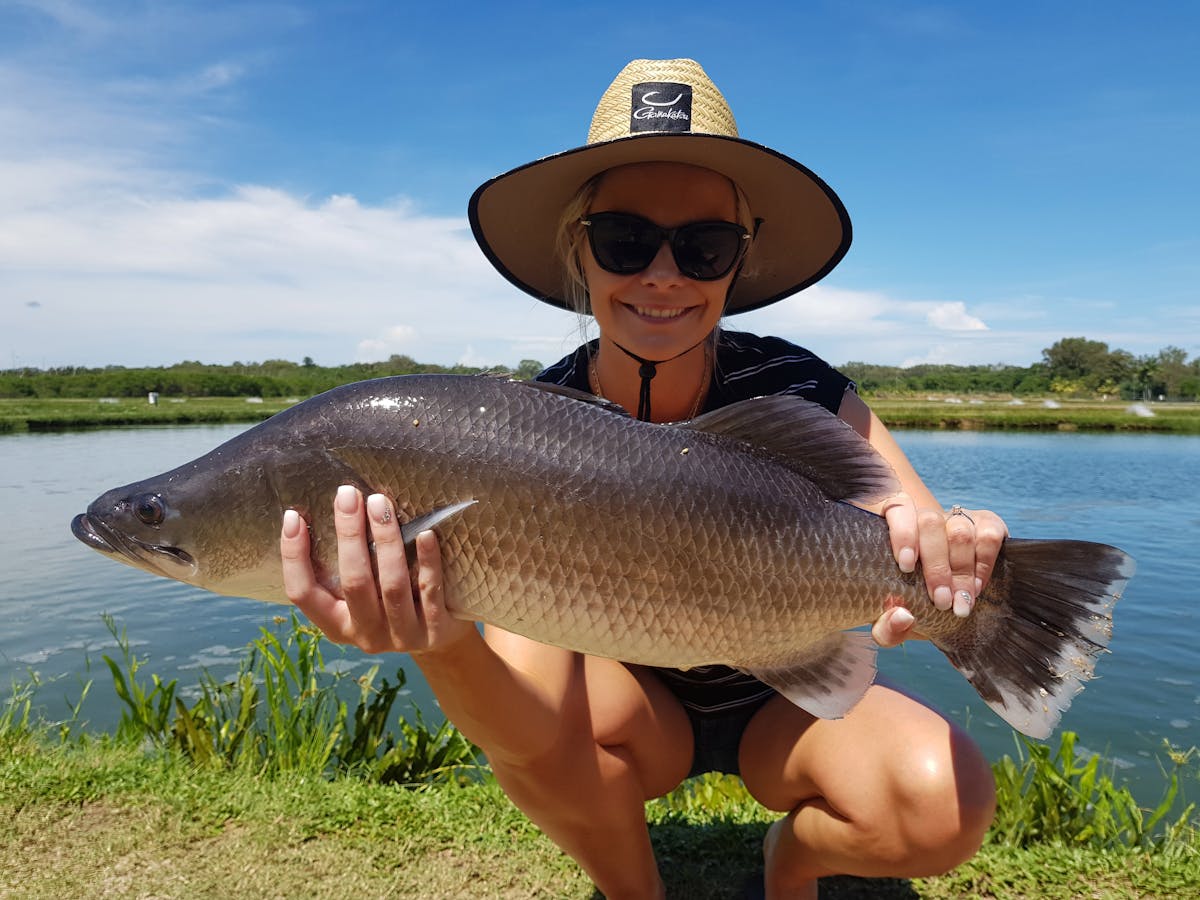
736 538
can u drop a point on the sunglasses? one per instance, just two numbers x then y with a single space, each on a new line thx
623 243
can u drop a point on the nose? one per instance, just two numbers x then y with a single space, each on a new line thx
662 271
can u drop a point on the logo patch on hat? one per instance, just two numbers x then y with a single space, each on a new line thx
661 106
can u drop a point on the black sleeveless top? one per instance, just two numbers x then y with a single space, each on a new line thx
746 366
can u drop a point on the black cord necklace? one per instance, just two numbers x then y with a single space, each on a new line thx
647 369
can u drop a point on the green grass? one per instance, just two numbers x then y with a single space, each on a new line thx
63 414
271 785
896 412
103 817
1069 415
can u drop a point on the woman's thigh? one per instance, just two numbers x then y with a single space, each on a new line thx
622 716
891 753
633 712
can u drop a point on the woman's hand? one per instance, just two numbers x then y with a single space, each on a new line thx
375 607
957 551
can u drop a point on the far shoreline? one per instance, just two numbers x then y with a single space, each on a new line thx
936 413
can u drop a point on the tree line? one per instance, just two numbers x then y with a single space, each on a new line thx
1072 367
273 378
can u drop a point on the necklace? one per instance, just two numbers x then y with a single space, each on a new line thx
701 394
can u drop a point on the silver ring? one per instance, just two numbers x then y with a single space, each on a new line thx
957 510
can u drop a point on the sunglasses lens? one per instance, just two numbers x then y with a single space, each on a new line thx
623 244
706 251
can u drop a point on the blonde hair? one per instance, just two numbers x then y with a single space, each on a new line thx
568 244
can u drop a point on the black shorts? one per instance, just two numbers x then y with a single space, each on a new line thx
717 736
719 702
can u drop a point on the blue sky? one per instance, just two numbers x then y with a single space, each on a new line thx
243 181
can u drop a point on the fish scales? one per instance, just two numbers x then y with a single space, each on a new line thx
724 540
647 553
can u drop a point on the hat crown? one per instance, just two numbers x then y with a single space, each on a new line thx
664 111
661 96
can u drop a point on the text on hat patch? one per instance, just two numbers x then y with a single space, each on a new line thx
661 106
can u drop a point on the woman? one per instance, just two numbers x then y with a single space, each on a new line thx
662 224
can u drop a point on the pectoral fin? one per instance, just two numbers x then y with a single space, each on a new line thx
410 530
829 677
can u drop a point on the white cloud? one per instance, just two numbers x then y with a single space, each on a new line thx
136 277
842 325
114 251
471 357
399 339
108 257
953 317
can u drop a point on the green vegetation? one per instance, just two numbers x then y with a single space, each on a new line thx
272 784
274 378
1072 367
284 712
64 414
896 412
1078 385
1052 415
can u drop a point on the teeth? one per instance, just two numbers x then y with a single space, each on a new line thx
656 313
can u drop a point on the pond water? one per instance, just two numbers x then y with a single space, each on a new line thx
1139 492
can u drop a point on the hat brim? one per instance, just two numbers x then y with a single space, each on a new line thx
805 231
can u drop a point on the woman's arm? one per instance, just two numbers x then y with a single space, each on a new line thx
957 552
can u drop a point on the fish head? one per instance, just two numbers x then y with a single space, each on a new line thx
213 523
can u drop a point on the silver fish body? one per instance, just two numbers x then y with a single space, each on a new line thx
728 539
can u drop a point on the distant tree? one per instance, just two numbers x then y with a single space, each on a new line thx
1077 365
1172 370
401 364
1073 359
1143 378
527 369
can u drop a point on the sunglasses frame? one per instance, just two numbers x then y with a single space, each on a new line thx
669 235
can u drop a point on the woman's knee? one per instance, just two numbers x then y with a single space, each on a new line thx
578 783
914 793
616 727
944 800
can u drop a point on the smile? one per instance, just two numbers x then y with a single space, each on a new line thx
656 312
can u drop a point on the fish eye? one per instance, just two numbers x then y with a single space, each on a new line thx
150 509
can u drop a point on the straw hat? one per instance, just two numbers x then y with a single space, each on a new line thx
666 110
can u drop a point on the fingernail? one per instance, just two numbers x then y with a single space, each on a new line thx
292 523
902 618
379 509
906 559
963 601
978 586
942 598
347 499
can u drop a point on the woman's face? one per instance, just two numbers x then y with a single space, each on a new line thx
659 313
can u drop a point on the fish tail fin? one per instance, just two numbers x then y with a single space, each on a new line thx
1037 629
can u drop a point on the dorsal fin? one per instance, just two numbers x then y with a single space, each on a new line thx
809 440
582 396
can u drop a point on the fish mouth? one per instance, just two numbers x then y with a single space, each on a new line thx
125 548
